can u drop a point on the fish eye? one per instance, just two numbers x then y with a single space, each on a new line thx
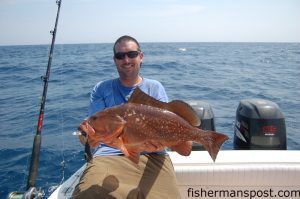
93 118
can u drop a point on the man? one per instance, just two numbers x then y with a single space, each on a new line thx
111 174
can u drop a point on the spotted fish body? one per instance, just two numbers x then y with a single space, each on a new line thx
136 128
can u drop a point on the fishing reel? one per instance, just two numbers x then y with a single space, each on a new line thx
32 193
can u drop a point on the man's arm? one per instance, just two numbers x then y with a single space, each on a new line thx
96 100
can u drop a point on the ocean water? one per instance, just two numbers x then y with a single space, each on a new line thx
218 73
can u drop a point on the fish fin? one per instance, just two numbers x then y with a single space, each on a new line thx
183 148
139 97
178 107
133 155
212 142
185 111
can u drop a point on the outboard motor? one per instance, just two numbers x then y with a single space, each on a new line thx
205 113
259 125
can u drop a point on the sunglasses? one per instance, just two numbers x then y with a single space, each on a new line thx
130 54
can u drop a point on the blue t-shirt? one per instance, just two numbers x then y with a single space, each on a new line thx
111 92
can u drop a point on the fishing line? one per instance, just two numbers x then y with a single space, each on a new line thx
62 100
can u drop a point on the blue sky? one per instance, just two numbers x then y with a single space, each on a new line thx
102 21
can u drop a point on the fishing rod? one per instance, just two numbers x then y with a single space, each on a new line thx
32 192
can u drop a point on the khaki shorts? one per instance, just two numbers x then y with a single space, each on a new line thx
116 177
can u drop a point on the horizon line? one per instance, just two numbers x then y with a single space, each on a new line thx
87 43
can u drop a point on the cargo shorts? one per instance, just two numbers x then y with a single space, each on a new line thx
117 177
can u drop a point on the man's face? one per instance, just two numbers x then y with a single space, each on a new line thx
128 68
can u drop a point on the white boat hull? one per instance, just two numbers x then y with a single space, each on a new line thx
235 174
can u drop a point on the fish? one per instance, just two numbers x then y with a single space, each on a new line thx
145 124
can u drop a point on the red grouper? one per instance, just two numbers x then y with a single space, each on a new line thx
145 124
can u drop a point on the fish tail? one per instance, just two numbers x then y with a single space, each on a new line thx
212 141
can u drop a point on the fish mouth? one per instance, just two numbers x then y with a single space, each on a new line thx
103 137
82 136
101 132
82 132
